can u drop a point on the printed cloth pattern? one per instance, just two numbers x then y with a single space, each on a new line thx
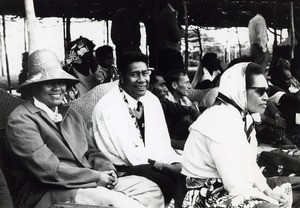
210 193
132 113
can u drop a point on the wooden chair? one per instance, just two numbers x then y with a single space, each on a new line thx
8 103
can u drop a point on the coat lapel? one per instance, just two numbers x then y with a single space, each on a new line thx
33 109
62 110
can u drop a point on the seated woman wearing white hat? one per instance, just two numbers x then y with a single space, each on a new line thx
53 155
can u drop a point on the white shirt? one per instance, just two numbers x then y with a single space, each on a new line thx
118 138
208 76
54 116
131 101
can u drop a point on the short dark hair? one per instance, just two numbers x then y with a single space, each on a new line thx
240 60
102 51
173 76
130 57
153 76
252 70
208 59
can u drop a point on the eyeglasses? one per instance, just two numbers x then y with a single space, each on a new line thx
137 74
260 90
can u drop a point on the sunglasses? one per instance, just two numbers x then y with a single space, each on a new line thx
260 90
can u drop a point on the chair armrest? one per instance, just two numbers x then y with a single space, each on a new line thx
72 205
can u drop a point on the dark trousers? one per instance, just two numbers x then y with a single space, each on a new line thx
260 57
166 182
124 48
169 60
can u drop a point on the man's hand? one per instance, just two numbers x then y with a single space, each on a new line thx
279 133
174 168
107 179
280 122
280 197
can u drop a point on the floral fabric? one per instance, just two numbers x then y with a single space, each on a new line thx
204 193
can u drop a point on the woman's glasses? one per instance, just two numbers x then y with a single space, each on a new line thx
260 90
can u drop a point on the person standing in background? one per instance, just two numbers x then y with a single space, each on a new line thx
125 30
258 37
169 36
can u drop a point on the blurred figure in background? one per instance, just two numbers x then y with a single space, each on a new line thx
178 117
81 63
208 72
24 72
258 37
125 30
106 72
169 37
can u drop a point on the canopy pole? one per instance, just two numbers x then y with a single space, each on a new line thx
31 23
239 42
1 55
68 29
66 34
155 46
64 37
275 43
25 36
292 29
200 44
186 52
5 51
107 32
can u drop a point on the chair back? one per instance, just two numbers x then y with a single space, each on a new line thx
197 95
85 104
8 103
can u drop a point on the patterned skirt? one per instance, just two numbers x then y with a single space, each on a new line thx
210 193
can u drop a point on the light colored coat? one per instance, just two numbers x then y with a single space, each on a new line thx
50 157
119 139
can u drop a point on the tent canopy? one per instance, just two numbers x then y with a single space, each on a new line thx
205 13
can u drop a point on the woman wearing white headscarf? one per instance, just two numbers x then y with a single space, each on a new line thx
219 159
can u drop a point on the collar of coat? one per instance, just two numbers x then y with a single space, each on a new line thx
62 109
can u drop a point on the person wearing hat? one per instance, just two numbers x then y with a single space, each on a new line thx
54 158
81 63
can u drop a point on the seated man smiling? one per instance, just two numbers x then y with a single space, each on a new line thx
130 128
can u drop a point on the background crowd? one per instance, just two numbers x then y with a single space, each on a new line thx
149 144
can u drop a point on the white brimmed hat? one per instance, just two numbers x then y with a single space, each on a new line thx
43 65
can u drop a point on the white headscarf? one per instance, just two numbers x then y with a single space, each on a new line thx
228 119
233 84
